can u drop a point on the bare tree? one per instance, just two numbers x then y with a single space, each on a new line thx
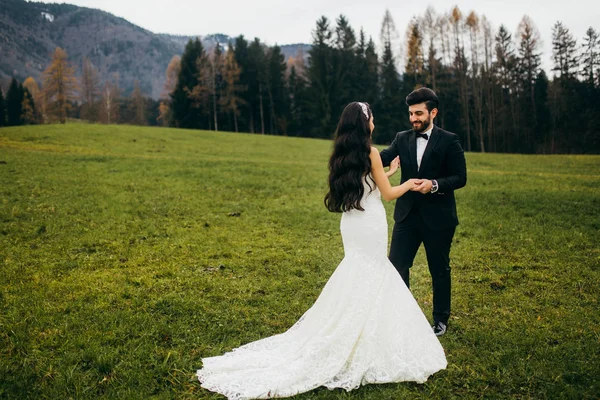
90 91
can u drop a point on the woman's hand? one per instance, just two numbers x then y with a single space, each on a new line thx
394 165
412 183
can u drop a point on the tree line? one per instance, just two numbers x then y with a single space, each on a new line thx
63 95
493 91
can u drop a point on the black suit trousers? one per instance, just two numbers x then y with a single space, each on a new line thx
407 236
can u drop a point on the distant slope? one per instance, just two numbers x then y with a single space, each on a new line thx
29 33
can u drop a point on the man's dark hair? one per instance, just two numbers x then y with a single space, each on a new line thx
423 95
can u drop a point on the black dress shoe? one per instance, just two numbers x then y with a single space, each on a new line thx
439 328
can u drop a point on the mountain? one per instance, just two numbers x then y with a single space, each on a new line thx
30 31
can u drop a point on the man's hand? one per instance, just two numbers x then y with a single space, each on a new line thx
394 165
424 187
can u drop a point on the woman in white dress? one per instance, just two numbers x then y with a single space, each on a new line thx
365 326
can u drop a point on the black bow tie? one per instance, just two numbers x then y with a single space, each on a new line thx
422 135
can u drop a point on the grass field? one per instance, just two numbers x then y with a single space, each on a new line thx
128 253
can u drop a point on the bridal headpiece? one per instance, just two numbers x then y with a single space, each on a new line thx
365 110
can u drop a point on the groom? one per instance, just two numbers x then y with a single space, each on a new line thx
428 213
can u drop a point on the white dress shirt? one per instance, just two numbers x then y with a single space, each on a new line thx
421 144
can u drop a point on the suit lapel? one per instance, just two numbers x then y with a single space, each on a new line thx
412 151
429 148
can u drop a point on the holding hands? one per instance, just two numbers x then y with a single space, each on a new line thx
418 185
424 186
415 185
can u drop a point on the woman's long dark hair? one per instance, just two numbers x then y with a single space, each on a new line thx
349 162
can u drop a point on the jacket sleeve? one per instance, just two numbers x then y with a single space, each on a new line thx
457 168
388 154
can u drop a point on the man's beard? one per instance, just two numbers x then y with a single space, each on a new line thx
424 125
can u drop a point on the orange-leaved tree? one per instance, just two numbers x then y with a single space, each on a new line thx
60 85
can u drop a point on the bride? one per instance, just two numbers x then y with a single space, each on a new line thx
365 326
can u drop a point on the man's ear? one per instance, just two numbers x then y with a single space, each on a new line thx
434 113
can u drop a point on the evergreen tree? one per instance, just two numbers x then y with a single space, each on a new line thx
241 58
344 68
366 80
529 62
183 113
299 104
320 81
14 104
278 92
544 118
2 109
256 84
505 73
37 99
564 51
371 79
591 58
28 113
391 113
138 105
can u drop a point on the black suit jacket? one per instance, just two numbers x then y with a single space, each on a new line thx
444 161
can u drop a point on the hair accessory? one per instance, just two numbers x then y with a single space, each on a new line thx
365 110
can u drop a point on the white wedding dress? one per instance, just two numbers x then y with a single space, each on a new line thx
365 327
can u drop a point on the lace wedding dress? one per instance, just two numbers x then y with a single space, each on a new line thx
365 327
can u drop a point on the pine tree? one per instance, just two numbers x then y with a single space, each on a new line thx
37 98
60 85
505 73
564 51
544 118
138 103
320 81
244 118
2 109
257 88
27 108
183 113
344 68
391 106
366 79
299 103
371 90
277 91
528 68
591 58
14 104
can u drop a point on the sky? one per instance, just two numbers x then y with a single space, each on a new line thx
288 22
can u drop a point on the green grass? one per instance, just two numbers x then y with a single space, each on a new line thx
128 253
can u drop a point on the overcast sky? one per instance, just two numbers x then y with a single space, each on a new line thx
286 22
